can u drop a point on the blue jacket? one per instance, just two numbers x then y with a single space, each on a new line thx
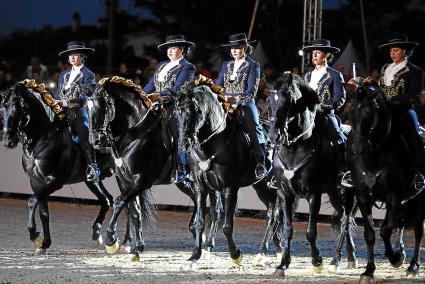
176 78
330 88
81 87
247 78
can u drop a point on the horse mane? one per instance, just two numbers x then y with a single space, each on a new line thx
47 98
129 84
209 105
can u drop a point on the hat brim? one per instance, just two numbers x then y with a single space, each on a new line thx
330 49
175 43
402 44
237 43
85 51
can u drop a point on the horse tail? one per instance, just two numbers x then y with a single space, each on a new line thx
148 207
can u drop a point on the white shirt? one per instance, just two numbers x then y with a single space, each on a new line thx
391 70
74 73
170 65
238 63
316 75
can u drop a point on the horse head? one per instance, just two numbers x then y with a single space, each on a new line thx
199 115
101 111
370 119
289 97
15 114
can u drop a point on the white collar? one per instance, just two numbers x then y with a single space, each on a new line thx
77 68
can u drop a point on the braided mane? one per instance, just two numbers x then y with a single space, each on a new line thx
128 83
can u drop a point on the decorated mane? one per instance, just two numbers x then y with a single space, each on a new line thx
216 89
128 83
47 97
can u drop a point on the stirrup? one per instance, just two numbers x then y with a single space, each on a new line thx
92 173
418 186
346 180
260 171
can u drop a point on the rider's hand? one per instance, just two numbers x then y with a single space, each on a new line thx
154 97
59 102
232 100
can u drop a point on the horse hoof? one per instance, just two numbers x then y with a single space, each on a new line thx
279 273
206 254
412 274
318 269
112 249
257 259
40 251
38 242
238 260
398 263
194 266
124 249
279 256
134 257
352 264
99 242
332 268
365 279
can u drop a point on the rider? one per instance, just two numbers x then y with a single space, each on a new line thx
240 78
329 85
402 83
167 81
74 85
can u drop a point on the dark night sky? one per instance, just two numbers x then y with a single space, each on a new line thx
32 14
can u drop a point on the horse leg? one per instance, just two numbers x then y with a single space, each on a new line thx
231 197
44 217
287 230
119 203
311 233
106 201
35 236
125 246
268 197
395 257
413 269
369 236
136 218
197 223
344 204
350 207
215 212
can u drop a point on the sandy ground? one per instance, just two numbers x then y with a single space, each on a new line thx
73 257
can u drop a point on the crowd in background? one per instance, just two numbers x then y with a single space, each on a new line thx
10 73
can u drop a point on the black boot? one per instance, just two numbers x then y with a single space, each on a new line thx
181 174
260 169
93 171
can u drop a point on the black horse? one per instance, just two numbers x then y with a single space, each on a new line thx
221 160
382 170
136 133
305 165
50 157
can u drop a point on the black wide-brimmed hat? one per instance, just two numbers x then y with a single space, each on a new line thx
178 40
321 44
238 39
77 47
399 41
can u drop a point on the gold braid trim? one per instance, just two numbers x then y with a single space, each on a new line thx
128 83
47 97
218 90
